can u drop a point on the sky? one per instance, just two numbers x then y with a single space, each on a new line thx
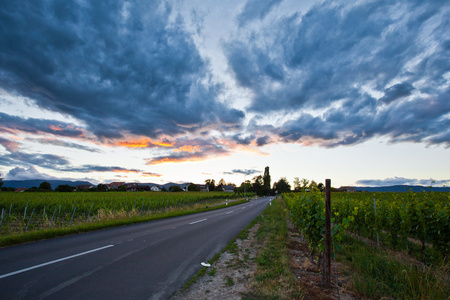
184 91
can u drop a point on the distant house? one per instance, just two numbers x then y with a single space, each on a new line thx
203 187
115 185
131 187
143 187
155 188
83 187
347 189
20 190
228 188
184 187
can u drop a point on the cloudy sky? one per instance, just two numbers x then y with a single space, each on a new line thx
161 91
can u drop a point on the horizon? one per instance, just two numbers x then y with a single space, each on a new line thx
237 185
139 91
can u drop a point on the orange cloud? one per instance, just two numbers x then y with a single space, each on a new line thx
149 174
164 144
187 148
135 144
56 128
144 143
180 159
125 171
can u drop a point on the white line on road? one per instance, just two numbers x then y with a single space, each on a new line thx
198 221
53 262
230 212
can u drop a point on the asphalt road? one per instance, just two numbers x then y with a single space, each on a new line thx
150 260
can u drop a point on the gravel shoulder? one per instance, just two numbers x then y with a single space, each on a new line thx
229 276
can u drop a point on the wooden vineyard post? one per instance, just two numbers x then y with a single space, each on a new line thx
327 258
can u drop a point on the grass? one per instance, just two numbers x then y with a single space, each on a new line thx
376 274
108 223
273 278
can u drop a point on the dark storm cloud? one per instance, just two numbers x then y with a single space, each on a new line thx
49 161
95 168
255 10
242 171
12 124
190 151
120 67
19 173
64 144
351 71
261 141
243 140
397 91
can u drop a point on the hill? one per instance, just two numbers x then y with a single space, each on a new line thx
36 182
401 188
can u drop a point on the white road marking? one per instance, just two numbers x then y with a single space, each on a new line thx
53 262
198 221
230 212
244 207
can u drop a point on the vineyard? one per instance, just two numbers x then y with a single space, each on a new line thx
25 212
399 220
395 244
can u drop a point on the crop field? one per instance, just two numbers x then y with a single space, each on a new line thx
25 212
395 245
399 220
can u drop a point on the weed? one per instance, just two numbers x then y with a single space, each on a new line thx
229 281
212 272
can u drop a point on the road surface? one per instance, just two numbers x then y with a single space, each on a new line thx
149 260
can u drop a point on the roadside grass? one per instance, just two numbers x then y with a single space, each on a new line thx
110 221
273 278
376 274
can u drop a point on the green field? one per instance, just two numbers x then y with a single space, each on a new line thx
401 220
26 212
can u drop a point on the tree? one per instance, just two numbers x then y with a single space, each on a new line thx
64 188
175 188
45 186
211 184
321 187
258 185
1 181
313 187
304 182
193 187
221 183
297 184
282 185
102 187
266 179
245 187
